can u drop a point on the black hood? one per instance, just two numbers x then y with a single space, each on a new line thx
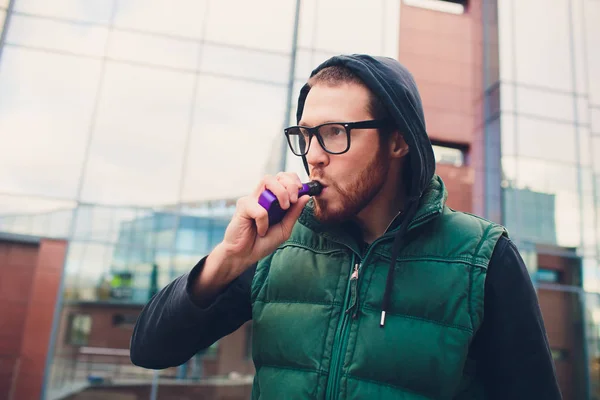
395 86
391 82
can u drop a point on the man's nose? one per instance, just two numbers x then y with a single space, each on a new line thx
316 155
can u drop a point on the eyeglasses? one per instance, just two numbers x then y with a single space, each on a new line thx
334 137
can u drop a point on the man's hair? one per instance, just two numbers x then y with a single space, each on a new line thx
337 75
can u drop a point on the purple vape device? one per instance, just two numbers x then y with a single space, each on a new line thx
270 203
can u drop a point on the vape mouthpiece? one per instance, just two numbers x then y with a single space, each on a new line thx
269 201
311 188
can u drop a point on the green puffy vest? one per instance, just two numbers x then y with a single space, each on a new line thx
316 332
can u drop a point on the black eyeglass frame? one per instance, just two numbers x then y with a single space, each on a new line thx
348 126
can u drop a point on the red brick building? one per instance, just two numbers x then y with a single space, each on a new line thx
30 272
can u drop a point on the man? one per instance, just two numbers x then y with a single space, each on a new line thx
373 289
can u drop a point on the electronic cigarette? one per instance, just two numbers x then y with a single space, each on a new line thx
270 203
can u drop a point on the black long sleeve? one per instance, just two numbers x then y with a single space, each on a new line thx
511 348
172 328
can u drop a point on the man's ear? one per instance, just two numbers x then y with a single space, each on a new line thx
398 146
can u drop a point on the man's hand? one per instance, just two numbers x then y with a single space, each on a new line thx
248 237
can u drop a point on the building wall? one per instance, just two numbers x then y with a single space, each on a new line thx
30 272
549 92
444 53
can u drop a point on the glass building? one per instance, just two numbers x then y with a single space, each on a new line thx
542 125
129 128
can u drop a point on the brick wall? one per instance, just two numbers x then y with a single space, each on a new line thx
444 53
30 272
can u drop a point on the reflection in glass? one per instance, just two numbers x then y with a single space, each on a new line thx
98 11
229 149
546 140
585 147
541 201
182 18
366 19
87 267
583 110
245 63
35 216
545 103
545 42
153 49
595 115
71 37
270 30
2 18
589 226
139 136
595 149
592 302
47 103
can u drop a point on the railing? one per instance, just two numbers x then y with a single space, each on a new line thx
94 364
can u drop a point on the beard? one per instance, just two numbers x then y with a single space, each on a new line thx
354 196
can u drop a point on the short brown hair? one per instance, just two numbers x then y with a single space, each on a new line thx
337 74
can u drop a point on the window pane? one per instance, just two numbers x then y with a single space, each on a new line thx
592 11
508 142
547 177
543 103
595 116
546 140
366 20
2 18
152 49
103 224
180 17
245 63
138 140
35 216
542 42
86 266
65 36
583 110
452 7
46 103
506 40
596 152
539 198
238 22
229 150
448 155
507 98
589 225
81 10
585 146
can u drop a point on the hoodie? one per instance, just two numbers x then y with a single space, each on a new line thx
396 88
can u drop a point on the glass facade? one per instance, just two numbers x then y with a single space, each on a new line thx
130 127
549 94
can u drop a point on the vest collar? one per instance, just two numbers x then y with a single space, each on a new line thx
431 204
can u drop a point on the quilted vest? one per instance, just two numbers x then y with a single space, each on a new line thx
317 299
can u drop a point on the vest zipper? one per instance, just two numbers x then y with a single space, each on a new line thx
340 340
354 292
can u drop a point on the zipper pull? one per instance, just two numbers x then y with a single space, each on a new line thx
355 272
354 292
